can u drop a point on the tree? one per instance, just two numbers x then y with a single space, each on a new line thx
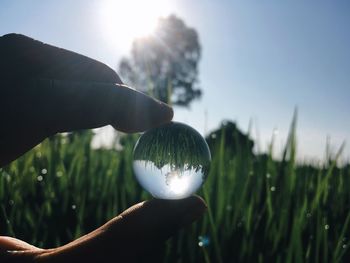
235 141
165 64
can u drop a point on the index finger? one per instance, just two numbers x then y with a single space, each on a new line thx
50 106
80 105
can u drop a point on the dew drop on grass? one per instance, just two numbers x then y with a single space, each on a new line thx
326 227
39 178
203 241
171 161
44 171
273 188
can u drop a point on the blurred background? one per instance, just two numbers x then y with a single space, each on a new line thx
258 61
266 83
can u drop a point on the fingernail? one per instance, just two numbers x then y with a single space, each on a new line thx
168 110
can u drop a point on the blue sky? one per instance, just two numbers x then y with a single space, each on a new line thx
261 59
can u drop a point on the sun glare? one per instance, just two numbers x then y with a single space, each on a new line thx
178 184
122 21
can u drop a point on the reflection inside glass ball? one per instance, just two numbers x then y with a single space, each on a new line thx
171 161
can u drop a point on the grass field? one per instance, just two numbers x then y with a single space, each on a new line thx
260 210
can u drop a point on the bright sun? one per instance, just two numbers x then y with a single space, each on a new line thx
123 20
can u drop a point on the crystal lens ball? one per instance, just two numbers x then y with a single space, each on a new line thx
171 161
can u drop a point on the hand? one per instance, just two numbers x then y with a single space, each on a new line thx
45 90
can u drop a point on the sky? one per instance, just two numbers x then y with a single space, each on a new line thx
260 59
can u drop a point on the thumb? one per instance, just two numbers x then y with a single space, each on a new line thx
157 219
136 234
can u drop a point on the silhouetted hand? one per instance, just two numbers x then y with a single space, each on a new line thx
45 90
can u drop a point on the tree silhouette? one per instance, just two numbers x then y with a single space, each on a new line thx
165 64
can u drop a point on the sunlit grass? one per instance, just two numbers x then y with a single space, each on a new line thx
260 210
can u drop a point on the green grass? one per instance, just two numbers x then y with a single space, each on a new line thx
260 210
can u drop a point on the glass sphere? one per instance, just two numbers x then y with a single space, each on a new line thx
171 161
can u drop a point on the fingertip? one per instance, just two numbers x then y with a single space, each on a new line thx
162 218
186 210
181 207
200 202
168 112
164 114
138 112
